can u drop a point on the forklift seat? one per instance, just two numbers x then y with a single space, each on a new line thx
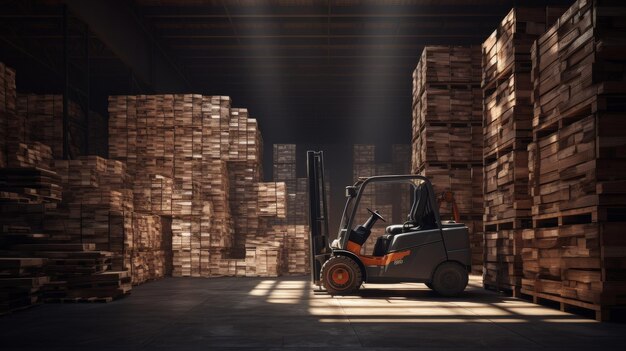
413 218
421 217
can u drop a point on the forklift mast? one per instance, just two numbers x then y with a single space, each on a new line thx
318 214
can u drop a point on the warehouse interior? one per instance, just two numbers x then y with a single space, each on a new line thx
155 192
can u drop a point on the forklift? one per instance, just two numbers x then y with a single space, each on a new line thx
423 249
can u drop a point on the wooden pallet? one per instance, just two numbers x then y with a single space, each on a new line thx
602 312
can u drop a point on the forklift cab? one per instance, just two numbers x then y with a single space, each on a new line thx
422 248
420 216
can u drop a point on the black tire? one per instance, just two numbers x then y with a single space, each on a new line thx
341 275
429 285
450 279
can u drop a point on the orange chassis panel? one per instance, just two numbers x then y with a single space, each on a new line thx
376 261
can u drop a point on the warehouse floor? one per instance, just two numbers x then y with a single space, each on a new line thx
190 314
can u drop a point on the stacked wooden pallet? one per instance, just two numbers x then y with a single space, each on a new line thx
43 118
263 261
507 132
271 197
36 154
72 271
20 282
36 184
153 193
98 208
293 229
147 258
200 160
7 107
447 111
574 252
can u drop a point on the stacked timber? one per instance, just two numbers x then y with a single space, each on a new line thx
78 272
39 259
507 122
8 97
43 119
53 270
447 111
293 227
98 208
36 184
21 280
271 197
196 160
147 257
574 254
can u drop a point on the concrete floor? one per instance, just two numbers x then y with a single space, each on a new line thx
236 313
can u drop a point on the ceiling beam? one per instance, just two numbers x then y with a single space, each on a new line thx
116 24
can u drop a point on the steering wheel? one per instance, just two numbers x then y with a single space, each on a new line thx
376 214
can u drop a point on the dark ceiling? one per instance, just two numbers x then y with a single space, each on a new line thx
323 74
311 71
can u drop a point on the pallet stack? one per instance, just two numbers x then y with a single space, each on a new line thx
98 208
76 272
294 226
200 160
8 96
21 280
447 111
43 117
574 254
271 197
91 278
507 132
40 260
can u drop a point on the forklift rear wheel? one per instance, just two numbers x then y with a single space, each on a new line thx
341 275
450 279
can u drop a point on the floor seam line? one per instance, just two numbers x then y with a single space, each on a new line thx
498 324
349 322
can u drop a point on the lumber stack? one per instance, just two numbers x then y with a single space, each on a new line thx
147 257
98 208
293 229
8 97
42 116
72 271
447 132
40 259
20 282
507 87
271 197
76 272
198 160
574 254
36 184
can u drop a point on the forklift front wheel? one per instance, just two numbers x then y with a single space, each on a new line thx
341 275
